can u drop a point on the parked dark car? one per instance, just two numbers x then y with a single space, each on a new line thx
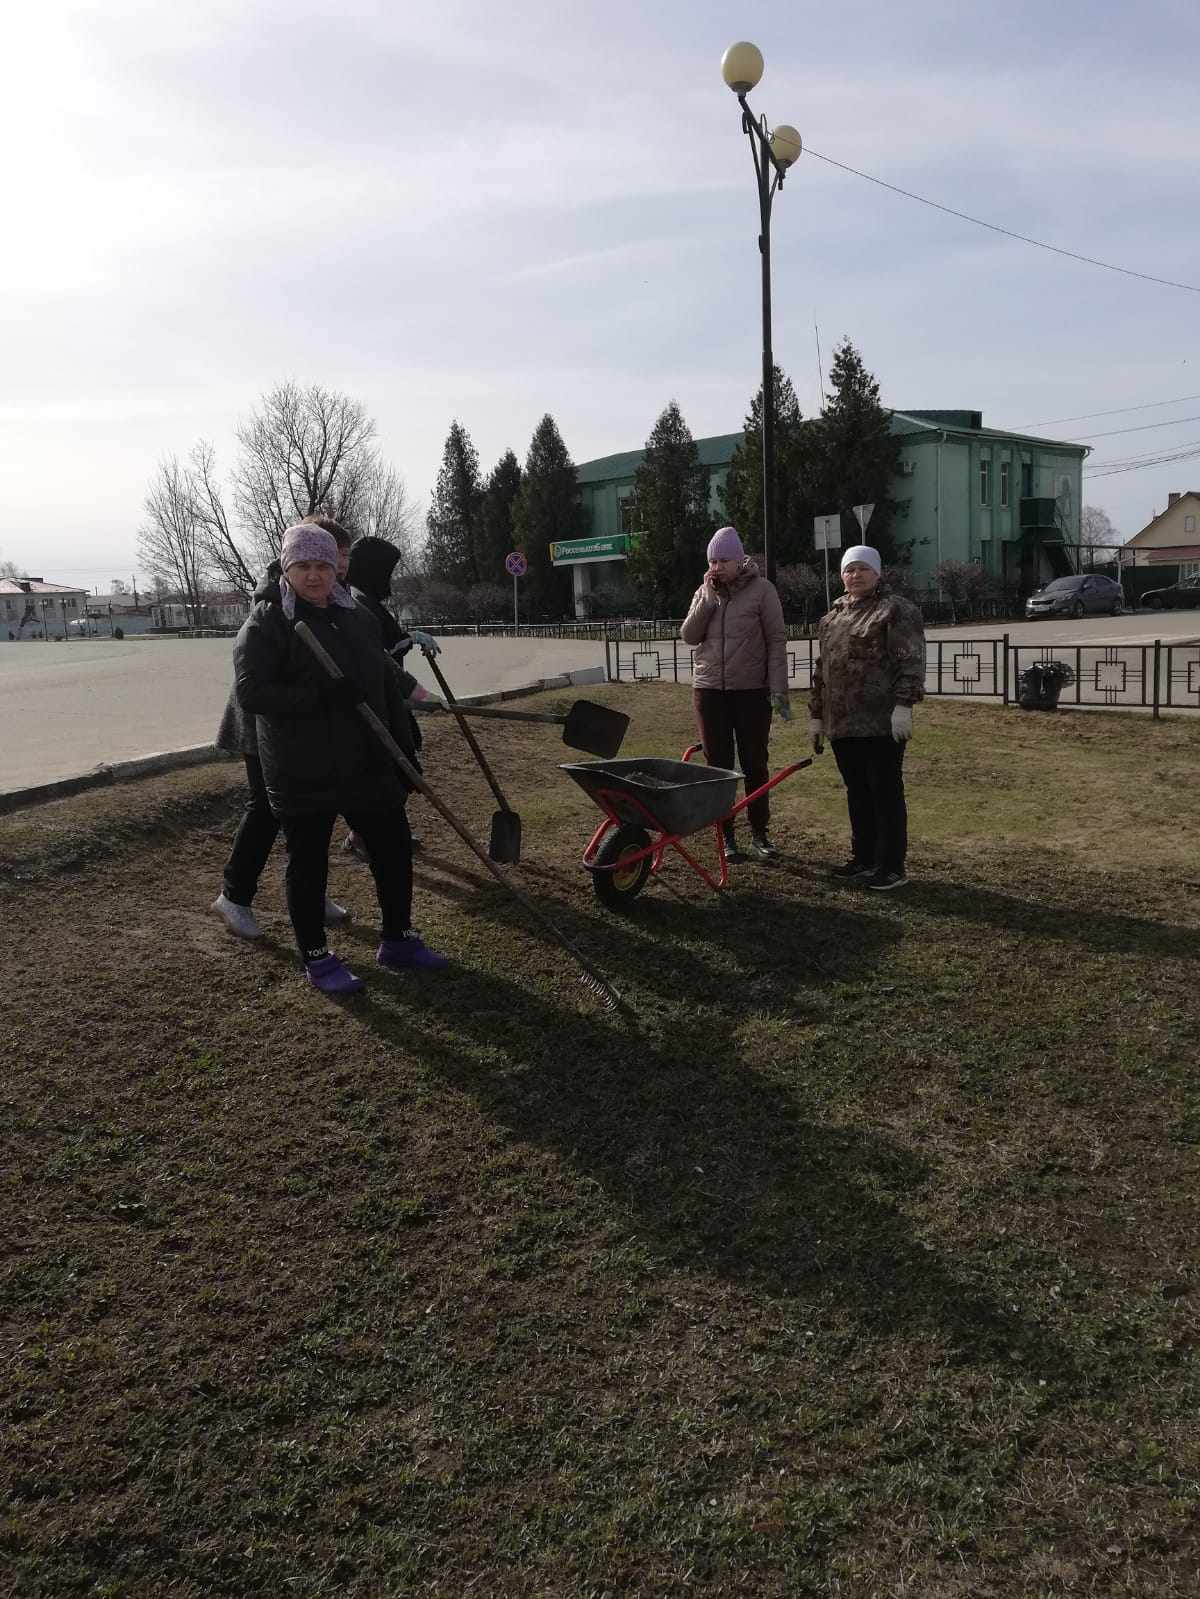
1183 595
1085 594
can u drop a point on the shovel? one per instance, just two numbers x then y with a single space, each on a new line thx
595 729
504 843
592 977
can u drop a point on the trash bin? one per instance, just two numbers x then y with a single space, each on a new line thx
1039 685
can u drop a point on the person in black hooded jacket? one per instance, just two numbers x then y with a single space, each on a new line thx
369 579
319 757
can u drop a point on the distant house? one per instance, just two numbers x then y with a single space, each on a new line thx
1166 549
31 608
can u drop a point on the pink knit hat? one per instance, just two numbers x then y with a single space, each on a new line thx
725 545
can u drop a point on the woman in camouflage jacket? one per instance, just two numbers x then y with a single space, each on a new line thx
870 674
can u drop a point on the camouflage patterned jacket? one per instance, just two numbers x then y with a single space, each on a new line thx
872 659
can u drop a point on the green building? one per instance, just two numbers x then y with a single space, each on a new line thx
1008 502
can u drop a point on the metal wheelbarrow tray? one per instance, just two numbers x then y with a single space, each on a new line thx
650 796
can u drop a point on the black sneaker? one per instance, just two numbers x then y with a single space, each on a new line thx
852 869
883 880
763 847
728 844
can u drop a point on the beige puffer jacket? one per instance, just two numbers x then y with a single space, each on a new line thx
741 641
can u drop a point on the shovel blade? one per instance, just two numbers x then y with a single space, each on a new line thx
504 844
596 729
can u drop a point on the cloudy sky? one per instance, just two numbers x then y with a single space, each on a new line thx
491 210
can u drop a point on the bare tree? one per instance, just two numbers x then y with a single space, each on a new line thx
170 539
798 587
9 569
296 451
372 500
963 582
223 553
1097 534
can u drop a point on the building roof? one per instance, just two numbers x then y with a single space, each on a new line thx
33 585
714 451
969 424
1188 494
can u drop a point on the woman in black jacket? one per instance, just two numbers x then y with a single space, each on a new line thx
320 758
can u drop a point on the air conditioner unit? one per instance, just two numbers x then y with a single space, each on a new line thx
907 468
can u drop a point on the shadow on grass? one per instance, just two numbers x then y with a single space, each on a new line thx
717 1165
1073 924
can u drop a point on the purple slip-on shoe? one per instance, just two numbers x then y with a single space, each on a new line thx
398 954
331 977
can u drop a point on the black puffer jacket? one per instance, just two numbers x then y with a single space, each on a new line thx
317 758
237 734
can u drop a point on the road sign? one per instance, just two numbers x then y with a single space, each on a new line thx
516 564
827 532
863 513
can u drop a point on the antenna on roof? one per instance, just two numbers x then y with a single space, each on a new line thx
820 372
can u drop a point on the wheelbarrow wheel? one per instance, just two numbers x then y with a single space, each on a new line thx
621 884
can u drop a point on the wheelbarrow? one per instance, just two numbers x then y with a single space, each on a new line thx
671 799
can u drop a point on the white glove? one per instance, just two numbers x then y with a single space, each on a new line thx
902 723
425 641
783 705
817 732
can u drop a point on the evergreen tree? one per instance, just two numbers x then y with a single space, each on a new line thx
856 456
742 493
495 538
546 509
454 512
672 493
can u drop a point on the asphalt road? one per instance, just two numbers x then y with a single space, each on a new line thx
67 708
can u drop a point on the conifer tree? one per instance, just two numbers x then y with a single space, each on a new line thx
547 508
454 512
742 492
856 456
672 493
495 538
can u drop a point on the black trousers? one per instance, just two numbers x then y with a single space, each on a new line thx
254 839
872 770
388 843
742 715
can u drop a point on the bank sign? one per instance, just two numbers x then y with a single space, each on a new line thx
574 552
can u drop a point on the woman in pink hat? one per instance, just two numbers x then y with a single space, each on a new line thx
739 671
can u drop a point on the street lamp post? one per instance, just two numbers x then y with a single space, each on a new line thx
773 152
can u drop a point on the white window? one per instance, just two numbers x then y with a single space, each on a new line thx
1189 524
1005 471
985 482
1189 569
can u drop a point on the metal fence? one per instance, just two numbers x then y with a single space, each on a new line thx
1157 676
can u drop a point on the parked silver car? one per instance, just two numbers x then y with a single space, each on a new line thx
1082 595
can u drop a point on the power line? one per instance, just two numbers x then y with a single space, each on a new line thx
1023 238
1121 410
1145 427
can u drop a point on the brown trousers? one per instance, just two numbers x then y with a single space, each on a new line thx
726 716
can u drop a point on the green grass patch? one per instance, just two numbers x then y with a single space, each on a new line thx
860 1261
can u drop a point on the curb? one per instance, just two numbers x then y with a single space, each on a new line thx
201 754
109 772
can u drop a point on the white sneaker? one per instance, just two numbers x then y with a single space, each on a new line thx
335 912
239 919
